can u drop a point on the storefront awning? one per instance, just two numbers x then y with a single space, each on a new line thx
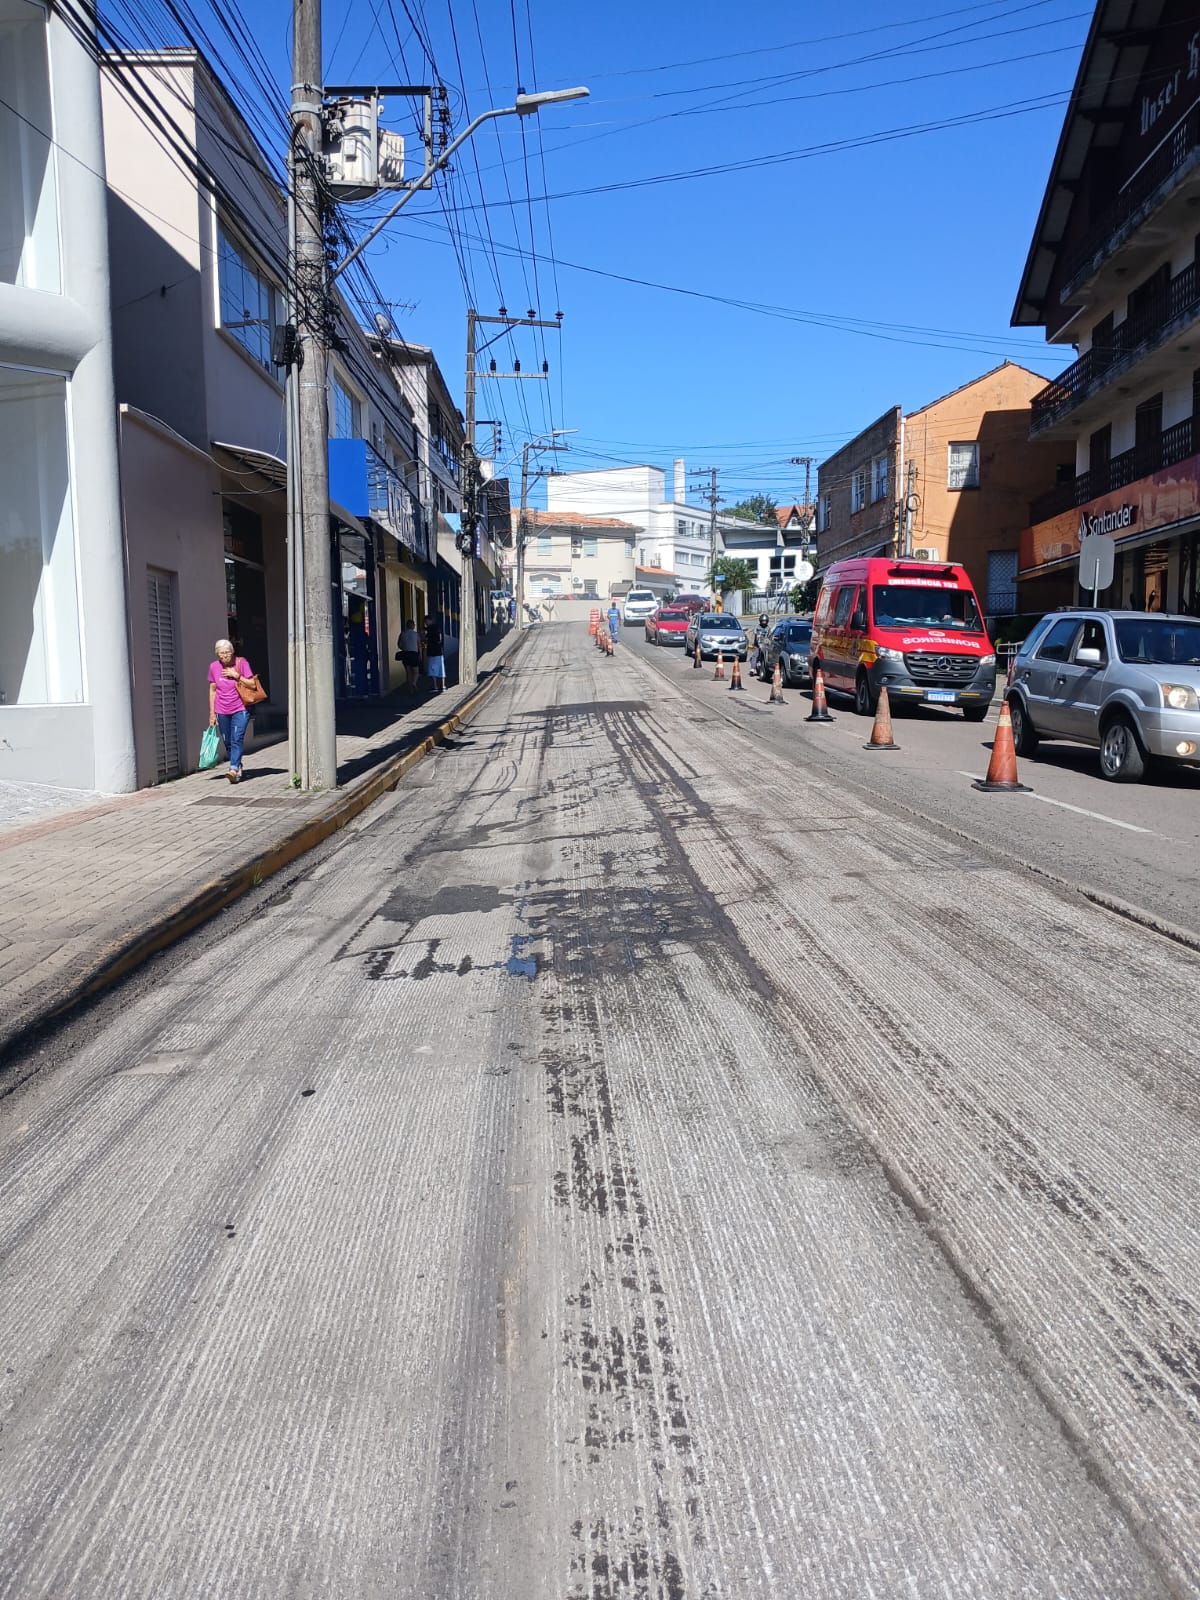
273 470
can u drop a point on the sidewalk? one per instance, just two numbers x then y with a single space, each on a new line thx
90 892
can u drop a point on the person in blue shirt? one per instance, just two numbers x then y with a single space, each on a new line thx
614 620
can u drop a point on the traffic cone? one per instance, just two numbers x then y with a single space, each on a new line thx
1002 768
593 622
820 711
881 732
735 681
608 644
776 696
697 661
719 669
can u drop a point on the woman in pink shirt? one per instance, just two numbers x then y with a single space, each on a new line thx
225 708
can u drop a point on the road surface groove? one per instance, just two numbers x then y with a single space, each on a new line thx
576 1275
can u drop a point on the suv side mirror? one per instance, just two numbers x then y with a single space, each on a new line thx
858 621
1088 656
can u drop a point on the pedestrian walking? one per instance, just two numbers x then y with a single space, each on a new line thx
435 658
226 710
614 621
409 653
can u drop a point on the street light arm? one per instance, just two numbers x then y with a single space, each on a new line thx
526 105
484 116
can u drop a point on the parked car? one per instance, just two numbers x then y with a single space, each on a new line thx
716 630
691 603
915 626
789 642
668 625
639 604
1125 682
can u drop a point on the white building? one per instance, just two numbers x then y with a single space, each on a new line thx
65 714
676 535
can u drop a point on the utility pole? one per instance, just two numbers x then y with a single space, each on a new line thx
544 442
807 510
910 505
312 732
714 500
302 347
468 667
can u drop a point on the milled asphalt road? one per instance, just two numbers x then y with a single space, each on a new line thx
1133 842
583 1183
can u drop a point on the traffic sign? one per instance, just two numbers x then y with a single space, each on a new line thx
1097 559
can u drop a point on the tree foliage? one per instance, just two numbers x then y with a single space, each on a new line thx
737 576
757 508
804 595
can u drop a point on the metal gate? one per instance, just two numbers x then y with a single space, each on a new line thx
160 589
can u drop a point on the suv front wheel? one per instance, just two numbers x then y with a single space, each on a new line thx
1121 756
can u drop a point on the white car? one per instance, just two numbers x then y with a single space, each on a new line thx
639 604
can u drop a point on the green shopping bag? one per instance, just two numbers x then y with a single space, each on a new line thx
210 749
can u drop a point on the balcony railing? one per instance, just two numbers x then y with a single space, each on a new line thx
1173 444
1144 328
1165 164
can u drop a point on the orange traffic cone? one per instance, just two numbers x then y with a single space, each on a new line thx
776 696
1002 768
608 644
593 622
719 669
881 732
735 681
697 661
820 710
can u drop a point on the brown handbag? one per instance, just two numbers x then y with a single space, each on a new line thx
251 693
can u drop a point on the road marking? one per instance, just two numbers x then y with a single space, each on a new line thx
1080 811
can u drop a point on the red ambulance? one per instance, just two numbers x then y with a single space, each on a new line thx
912 625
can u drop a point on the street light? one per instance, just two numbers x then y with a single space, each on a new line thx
526 105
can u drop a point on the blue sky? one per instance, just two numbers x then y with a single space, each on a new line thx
922 237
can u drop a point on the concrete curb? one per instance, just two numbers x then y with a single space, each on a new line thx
117 960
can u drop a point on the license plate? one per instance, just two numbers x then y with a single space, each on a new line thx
944 695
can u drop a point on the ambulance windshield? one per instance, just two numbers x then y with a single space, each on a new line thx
919 606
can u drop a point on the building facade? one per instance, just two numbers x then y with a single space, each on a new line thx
1113 271
674 536
197 229
65 715
968 472
571 556
775 556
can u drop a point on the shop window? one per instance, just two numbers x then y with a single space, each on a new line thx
40 658
248 301
28 194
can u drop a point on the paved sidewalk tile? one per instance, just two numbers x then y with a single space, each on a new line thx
80 879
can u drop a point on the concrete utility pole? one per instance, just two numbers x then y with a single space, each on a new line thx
302 346
910 505
544 442
312 740
468 666
714 500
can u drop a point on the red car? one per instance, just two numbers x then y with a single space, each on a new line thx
667 626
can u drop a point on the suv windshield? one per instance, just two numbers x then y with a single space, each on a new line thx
898 606
1167 643
639 595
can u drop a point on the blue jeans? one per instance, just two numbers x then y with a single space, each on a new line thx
233 730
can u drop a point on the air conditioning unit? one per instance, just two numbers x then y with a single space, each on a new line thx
925 553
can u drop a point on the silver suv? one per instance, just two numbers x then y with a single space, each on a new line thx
1127 682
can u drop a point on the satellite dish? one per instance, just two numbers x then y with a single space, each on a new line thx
804 571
